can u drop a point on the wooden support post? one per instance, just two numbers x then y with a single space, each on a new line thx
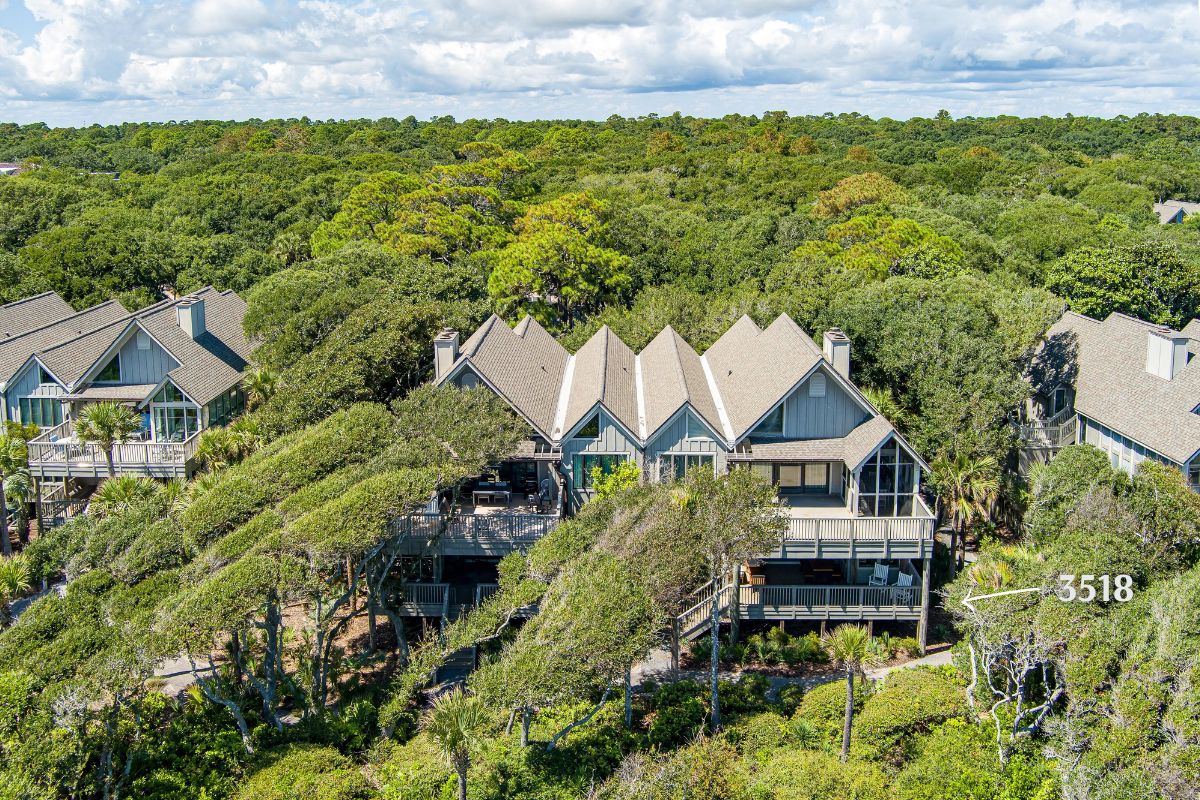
923 625
870 627
822 627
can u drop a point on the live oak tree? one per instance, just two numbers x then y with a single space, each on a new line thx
731 518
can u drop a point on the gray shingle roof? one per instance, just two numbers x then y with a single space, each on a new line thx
214 361
208 365
70 359
603 373
526 368
38 311
1168 209
1106 363
852 448
15 351
753 370
672 376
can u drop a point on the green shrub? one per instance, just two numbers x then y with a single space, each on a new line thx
824 706
813 775
757 734
911 703
413 771
748 694
306 772
679 712
347 437
789 697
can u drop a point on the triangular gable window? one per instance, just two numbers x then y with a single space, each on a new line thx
590 430
111 372
696 428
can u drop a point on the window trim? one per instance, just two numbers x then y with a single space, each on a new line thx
580 479
669 457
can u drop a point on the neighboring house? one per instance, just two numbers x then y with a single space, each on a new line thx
178 363
1129 387
859 535
33 312
1173 212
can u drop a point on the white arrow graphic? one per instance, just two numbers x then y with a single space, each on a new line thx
966 601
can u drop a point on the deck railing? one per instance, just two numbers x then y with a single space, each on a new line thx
821 597
1055 432
54 448
867 537
512 528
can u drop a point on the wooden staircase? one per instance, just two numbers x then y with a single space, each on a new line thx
457 666
695 622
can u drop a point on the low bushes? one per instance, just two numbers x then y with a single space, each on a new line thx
815 775
824 707
911 703
306 773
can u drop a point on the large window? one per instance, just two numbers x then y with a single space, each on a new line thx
584 463
675 465
225 407
45 412
885 483
175 423
174 417
810 477
772 424
111 372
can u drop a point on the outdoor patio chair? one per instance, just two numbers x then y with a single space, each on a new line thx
903 591
880 578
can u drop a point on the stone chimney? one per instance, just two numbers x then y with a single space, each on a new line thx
1166 353
836 350
189 312
445 352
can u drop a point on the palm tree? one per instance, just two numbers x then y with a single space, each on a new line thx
106 425
260 383
18 492
122 492
968 488
14 579
14 458
851 648
456 723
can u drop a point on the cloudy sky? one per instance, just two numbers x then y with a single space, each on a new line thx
83 61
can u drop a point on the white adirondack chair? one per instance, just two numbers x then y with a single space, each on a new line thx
880 578
903 592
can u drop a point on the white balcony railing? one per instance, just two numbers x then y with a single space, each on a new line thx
57 450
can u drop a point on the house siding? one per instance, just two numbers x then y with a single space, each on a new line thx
1123 453
144 366
673 439
612 439
26 385
828 417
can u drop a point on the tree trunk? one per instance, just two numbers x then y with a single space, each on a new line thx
5 542
849 714
370 629
953 550
462 782
629 698
734 601
675 648
526 718
108 458
714 623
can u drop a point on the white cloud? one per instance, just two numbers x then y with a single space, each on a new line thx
106 60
